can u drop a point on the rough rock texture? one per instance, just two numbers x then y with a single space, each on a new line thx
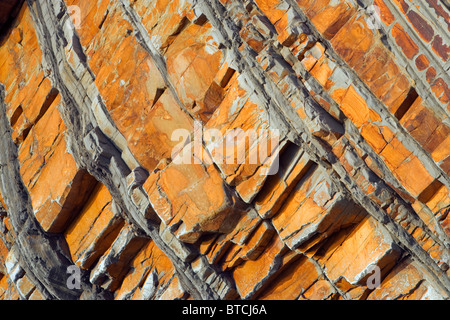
107 161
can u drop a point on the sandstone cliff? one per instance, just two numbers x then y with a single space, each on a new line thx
112 186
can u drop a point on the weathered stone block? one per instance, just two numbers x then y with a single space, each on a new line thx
367 244
404 41
200 201
103 224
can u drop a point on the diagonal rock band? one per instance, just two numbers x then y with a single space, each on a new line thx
250 149
42 256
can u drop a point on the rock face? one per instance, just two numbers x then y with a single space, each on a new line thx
251 149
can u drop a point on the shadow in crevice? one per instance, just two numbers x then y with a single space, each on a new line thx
8 14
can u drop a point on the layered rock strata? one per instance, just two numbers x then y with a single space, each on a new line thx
113 118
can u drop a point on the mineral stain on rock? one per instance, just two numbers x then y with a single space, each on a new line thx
94 203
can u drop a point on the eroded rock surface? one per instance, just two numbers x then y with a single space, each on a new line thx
250 149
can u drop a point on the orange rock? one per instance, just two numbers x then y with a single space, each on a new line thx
114 265
431 75
394 154
401 281
367 244
420 122
410 49
164 20
207 242
305 4
312 56
267 164
92 18
355 31
339 147
417 182
8 225
422 62
270 9
253 38
3 255
192 56
322 71
439 200
294 280
338 94
402 5
245 149
353 292
313 208
55 202
226 76
279 186
371 133
150 259
355 107
218 248
252 249
244 228
2 202
103 225
320 290
199 200
8 291
3 287
441 48
331 18
441 91
251 275
423 125
29 93
384 77
36 295
385 14
438 144
445 224
294 234
40 143
374 65
232 257
234 98
135 93
43 153
422 292
174 291
25 287
24 58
